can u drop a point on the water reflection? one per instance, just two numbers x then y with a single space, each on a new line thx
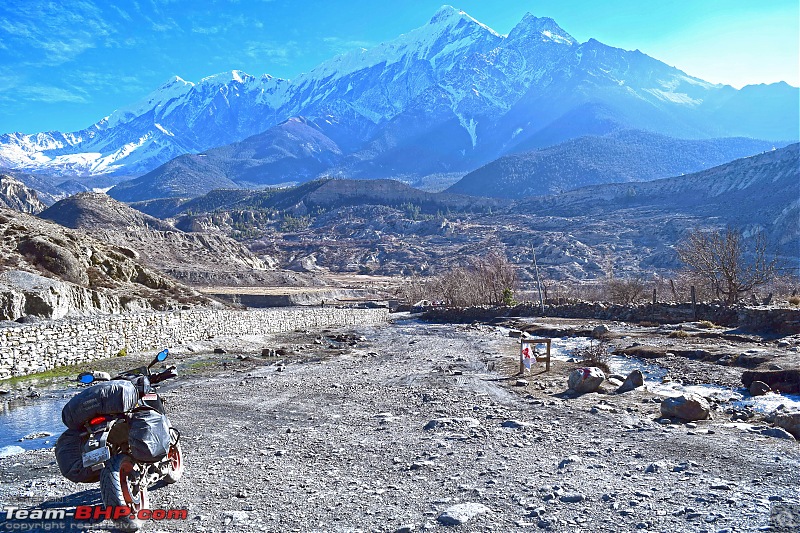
42 415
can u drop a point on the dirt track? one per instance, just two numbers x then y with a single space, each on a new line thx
393 431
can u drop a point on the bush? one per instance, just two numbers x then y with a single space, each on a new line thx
486 280
624 291
794 300
593 355
678 334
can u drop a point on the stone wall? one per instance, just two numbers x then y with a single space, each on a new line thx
29 348
766 321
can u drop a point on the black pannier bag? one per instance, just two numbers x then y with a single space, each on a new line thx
148 435
109 397
69 456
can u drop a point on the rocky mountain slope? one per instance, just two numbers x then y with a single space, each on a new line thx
448 96
15 195
155 242
388 228
758 193
49 271
617 157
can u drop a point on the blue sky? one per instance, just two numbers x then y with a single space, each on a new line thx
65 64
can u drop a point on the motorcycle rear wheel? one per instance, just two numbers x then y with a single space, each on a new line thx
175 457
116 490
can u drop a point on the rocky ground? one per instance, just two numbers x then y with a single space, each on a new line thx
414 426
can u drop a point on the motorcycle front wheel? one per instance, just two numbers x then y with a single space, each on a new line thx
117 490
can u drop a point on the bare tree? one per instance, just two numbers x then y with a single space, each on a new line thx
722 259
625 291
485 280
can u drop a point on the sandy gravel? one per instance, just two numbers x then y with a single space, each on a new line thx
389 433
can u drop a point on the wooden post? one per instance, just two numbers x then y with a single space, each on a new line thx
655 299
694 303
547 362
674 292
538 280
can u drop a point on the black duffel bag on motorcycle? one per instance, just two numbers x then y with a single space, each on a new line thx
148 435
111 397
69 456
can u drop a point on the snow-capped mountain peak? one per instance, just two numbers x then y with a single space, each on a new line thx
223 78
449 16
542 28
173 88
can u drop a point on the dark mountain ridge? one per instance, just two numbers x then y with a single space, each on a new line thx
620 156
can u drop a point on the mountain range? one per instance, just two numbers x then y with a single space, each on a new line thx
447 97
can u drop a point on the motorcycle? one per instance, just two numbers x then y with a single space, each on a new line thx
119 434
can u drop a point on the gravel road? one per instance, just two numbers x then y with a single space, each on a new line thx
419 419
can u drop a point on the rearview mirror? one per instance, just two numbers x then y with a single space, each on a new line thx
160 357
86 378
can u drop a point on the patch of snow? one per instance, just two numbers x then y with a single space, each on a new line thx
675 98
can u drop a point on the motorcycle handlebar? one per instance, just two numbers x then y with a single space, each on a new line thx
169 373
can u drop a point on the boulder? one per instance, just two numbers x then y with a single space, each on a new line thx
778 433
634 380
790 422
687 406
759 388
586 379
600 331
785 381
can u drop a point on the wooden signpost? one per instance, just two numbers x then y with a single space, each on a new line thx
527 351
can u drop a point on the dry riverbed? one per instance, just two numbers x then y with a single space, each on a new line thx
415 426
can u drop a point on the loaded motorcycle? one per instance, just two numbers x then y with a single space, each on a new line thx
119 435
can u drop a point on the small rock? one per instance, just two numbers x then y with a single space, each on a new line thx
569 460
600 331
634 380
572 497
514 424
235 517
461 513
407 528
219 350
521 383
652 468
4 391
38 435
687 406
759 388
585 380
